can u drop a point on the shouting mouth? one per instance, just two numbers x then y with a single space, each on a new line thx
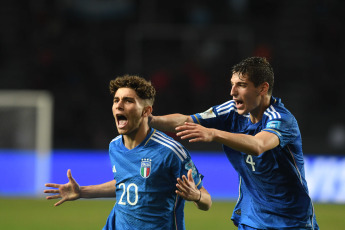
121 121
239 104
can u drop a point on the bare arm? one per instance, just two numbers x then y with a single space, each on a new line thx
205 202
72 191
168 123
189 191
252 145
101 190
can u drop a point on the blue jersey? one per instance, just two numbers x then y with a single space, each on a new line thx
146 183
273 189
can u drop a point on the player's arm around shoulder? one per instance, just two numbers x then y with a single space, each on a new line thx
168 123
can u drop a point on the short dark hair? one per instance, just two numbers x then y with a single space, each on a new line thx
258 70
142 87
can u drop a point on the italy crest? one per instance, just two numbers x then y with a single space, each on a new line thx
145 168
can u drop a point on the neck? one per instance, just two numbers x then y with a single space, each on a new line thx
256 115
134 139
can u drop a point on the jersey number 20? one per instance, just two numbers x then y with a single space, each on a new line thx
130 199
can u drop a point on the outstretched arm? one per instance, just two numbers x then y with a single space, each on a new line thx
72 191
252 145
168 123
189 191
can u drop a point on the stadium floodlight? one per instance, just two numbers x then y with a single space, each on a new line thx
26 124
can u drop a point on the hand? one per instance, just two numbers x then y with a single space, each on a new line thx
187 188
195 132
67 192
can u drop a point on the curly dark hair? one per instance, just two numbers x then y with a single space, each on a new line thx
258 70
142 87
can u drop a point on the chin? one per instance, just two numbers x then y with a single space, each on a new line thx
122 132
241 112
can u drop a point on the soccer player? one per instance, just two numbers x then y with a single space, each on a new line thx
153 174
262 140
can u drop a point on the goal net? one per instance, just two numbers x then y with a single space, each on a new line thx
25 141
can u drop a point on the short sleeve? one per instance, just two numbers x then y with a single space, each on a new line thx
197 177
181 167
285 128
222 117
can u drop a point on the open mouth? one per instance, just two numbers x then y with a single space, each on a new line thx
121 121
238 103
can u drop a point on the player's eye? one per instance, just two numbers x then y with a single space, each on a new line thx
129 100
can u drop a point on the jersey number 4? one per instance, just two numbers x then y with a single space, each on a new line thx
131 199
250 161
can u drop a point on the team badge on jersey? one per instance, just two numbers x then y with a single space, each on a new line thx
190 165
273 124
208 114
145 168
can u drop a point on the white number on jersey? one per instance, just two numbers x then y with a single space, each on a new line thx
250 161
130 194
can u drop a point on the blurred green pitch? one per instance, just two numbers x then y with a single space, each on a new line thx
39 214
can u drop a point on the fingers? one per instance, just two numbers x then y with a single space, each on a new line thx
184 178
181 185
52 185
186 187
184 184
189 131
59 202
53 197
70 178
190 177
69 174
188 134
51 191
196 140
185 126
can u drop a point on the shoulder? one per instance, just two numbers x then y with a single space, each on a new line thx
277 111
169 144
277 117
116 139
224 109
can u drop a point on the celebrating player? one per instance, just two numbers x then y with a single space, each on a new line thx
153 174
262 141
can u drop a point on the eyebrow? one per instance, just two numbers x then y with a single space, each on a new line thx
239 82
125 98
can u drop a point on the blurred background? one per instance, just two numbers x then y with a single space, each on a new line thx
57 58
73 48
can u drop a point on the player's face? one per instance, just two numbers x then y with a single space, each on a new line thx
245 94
127 110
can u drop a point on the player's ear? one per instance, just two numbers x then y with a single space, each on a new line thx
264 88
147 111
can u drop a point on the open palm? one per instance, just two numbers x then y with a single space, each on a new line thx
67 192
